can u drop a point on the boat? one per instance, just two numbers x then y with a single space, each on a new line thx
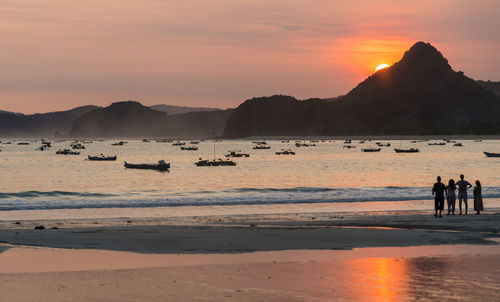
411 150
349 146
23 143
437 144
371 149
284 142
160 166
67 152
347 141
260 143
304 145
120 143
146 140
163 140
285 152
261 147
489 154
458 145
236 154
77 146
102 158
194 142
190 148
42 148
383 144
214 163
178 143
478 140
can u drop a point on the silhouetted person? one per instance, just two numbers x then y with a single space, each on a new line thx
478 198
463 186
450 196
438 189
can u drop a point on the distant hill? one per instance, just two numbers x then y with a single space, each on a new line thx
133 120
8 112
420 94
493 86
171 109
41 124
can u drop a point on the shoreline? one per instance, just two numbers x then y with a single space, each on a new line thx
251 233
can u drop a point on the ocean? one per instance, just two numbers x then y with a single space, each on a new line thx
327 175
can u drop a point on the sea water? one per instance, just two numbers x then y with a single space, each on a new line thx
326 174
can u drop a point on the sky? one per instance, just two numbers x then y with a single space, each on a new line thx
60 54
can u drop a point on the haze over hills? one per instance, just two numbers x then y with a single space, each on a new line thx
133 120
171 109
493 86
41 124
420 94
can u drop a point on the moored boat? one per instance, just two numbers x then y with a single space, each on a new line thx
67 152
160 166
189 148
102 158
261 147
490 154
214 163
120 143
236 154
285 152
371 149
411 150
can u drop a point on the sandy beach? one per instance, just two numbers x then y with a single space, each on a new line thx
286 257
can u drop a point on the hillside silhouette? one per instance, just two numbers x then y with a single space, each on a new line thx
420 94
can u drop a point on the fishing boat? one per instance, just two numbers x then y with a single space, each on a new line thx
189 148
489 154
236 154
67 152
261 147
298 145
383 144
120 143
160 166
411 150
102 158
458 145
146 140
285 152
349 146
260 143
23 143
194 142
78 146
178 143
214 163
371 149
347 141
437 144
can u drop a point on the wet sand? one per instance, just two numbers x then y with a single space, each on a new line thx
280 257
466 273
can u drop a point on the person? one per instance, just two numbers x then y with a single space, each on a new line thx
478 198
463 186
438 189
450 196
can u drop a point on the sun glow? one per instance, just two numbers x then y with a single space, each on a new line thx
381 66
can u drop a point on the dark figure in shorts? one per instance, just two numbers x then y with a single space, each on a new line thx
463 186
439 188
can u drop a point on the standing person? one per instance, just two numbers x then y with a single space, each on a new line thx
478 198
463 186
450 196
438 189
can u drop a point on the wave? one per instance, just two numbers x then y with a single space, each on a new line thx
32 194
35 200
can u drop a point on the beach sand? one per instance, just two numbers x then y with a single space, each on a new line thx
303 257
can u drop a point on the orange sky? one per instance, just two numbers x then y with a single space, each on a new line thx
59 54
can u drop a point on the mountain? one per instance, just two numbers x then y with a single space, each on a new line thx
40 124
8 112
171 109
133 120
420 94
492 86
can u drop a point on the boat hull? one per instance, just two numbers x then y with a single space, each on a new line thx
489 154
156 167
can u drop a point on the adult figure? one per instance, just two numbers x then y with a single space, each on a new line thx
463 186
450 196
438 190
478 198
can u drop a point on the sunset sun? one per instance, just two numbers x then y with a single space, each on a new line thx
381 66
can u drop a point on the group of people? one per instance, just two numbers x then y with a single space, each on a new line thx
439 190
